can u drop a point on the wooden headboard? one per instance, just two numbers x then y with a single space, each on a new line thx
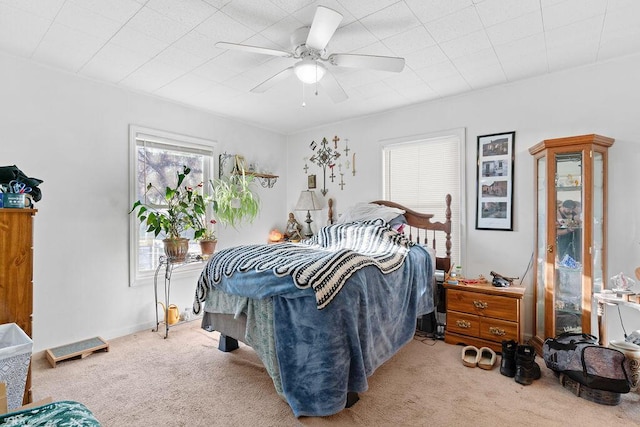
421 225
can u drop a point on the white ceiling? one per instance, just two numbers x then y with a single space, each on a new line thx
166 48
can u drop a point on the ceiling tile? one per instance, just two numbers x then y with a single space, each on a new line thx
409 41
113 63
360 9
116 10
448 86
291 6
621 21
152 76
571 11
524 57
67 48
350 38
418 93
280 32
307 13
44 9
218 4
221 27
438 71
184 88
87 21
481 69
585 33
390 21
517 28
214 72
139 43
156 25
407 78
493 12
199 45
425 57
179 57
431 10
466 45
255 15
20 32
456 25
187 12
374 89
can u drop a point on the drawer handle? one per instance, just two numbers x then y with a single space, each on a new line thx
480 304
463 324
496 331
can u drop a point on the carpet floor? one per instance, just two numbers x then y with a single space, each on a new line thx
145 380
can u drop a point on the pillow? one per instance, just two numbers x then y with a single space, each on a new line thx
398 223
368 211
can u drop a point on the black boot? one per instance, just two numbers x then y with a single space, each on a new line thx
508 362
527 369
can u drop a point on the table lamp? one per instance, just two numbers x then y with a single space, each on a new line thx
307 202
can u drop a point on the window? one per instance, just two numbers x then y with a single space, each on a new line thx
420 171
156 157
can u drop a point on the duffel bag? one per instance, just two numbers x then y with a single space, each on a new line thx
581 358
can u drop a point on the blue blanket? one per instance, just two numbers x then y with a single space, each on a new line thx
323 354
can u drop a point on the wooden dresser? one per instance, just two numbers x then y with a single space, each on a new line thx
16 272
484 315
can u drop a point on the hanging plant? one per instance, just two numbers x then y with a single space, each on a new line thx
234 201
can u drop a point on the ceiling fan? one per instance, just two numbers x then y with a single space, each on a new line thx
308 45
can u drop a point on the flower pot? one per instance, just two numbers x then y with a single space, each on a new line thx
207 247
176 249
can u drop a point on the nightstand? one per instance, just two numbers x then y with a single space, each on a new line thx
484 315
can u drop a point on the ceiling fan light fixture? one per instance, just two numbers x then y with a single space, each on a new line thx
309 71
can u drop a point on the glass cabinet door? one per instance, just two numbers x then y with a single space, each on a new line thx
597 237
568 242
541 248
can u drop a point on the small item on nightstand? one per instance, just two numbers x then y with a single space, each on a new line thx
501 281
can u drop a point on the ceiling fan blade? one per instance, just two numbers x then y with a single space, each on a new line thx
333 88
253 49
325 23
374 62
272 81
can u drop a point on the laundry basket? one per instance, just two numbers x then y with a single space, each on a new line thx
15 355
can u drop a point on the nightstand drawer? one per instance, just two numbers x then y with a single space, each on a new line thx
495 306
462 323
498 330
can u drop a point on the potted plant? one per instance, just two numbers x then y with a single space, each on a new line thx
203 232
171 215
233 199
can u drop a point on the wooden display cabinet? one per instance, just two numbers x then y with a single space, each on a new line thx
16 272
570 178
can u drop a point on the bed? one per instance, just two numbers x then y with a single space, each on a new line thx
325 313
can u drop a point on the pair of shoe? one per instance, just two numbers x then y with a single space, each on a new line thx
518 362
483 357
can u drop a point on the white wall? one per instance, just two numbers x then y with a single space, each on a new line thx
601 99
73 134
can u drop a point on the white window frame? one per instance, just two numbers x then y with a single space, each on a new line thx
139 277
460 135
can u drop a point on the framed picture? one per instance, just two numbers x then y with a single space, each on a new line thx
494 207
311 182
